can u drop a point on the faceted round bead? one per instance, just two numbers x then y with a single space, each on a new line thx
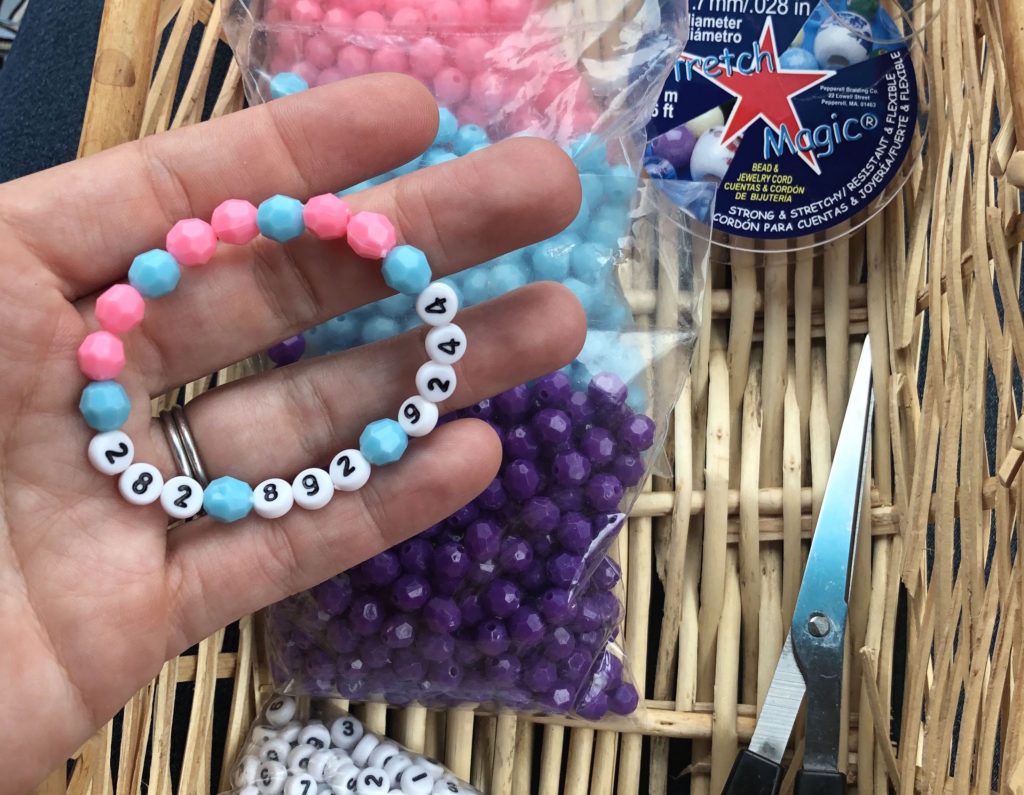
629 469
604 492
608 607
481 572
468 137
501 598
552 427
120 308
104 405
503 670
492 498
227 499
409 664
371 235
471 609
636 434
410 592
552 390
567 498
608 671
580 409
280 218
540 674
286 83
341 638
382 569
192 242
606 575
112 452
593 704
333 596
565 569
481 411
415 555
588 618
441 614
406 270
397 632
534 577
575 533
526 626
599 446
543 544
446 675
513 403
451 560
575 666
570 468
383 442
234 222
515 555
154 273
521 479
492 638
607 390
540 514
521 442
327 216
559 699
101 356
557 607
463 517
483 539
288 351
624 699
366 615
559 644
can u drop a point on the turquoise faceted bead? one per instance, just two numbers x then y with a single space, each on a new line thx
591 262
447 126
383 442
507 276
280 218
227 499
468 137
154 273
105 405
406 270
286 83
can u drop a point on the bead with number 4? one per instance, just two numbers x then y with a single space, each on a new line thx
446 344
437 305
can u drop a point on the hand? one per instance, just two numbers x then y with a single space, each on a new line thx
94 593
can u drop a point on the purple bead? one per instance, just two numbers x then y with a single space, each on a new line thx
557 606
592 640
442 614
565 569
483 539
447 586
492 637
481 411
607 390
543 545
613 418
288 351
481 572
381 569
513 403
471 610
604 492
624 699
559 644
593 705
319 665
493 498
608 671
539 674
552 428
515 556
334 595
410 592
559 699
567 498
467 654
409 664
397 632
571 468
464 516
607 574
436 648
501 598
503 670
599 446
451 560
629 469
552 390
675 146
446 675
589 616
521 479
366 615
580 409
302 639
354 689
340 637
540 514
576 666
534 577
373 653
526 626
432 531
608 607
575 533
415 555
520 442
352 668
320 688
637 433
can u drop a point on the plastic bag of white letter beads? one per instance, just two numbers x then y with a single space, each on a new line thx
312 747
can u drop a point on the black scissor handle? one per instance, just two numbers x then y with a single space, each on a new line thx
813 782
753 775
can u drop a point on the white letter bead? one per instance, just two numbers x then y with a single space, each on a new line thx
322 764
346 732
262 734
446 344
435 382
290 731
349 470
448 788
373 781
298 758
280 711
302 784
416 780
112 452
245 772
417 416
345 779
312 489
437 305
361 753
382 754
249 790
316 735
276 750
273 498
141 484
396 765
435 768
271 777
181 497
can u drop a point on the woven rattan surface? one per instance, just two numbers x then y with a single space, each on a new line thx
719 547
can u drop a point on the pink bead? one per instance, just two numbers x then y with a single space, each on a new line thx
442 14
338 26
426 57
275 16
371 23
101 356
328 76
471 54
120 308
559 86
306 71
192 242
371 235
410 21
234 221
290 44
475 13
510 12
321 51
326 216
357 7
487 91
307 12
353 61
389 58
450 86
281 63
468 113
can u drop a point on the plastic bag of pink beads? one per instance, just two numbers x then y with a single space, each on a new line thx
514 601
312 746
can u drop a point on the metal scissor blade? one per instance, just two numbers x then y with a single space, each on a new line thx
781 705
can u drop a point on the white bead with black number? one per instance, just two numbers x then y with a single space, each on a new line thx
111 452
373 781
417 780
141 484
346 732
271 777
301 784
437 305
245 772
315 735
181 497
361 753
417 416
280 711
435 382
349 470
312 489
446 344
273 498
298 758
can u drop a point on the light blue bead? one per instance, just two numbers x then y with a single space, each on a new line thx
227 499
478 148
506 277
585 294
406 270
407 168
591 262
590 153
409 322
551 257
606 228
469 136
317 341
383 442
475 286
105 405
798 58
593 188
447 126
458 290
280 218
582 218
154 273
435 157
342 332
617 315
285 83
379 328
368 183
397 306
620 184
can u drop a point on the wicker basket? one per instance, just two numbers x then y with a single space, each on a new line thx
719 549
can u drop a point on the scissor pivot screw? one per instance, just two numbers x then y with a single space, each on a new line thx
819 625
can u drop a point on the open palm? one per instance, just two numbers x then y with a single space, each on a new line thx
94 593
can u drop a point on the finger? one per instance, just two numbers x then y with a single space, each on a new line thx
117 204
217 573
461 213
300 416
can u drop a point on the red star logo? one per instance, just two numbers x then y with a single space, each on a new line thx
765 94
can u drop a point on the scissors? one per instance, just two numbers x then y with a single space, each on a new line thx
811 662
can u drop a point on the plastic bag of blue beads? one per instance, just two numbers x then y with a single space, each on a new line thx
514 601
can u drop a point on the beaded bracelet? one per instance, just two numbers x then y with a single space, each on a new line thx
192 242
